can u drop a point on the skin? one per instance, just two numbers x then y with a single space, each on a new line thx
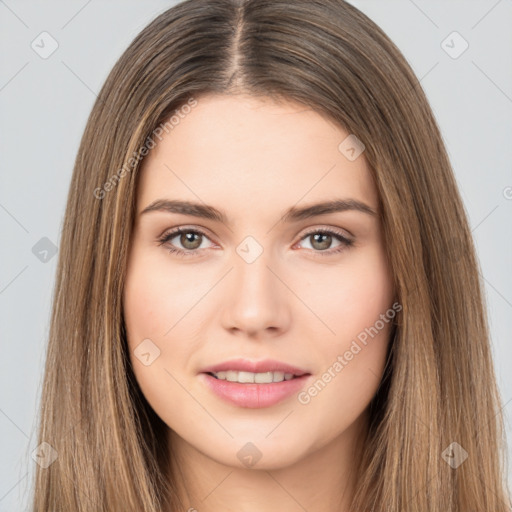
253 159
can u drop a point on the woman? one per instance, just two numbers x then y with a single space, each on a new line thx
267 293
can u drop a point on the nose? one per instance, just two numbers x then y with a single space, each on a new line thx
257 301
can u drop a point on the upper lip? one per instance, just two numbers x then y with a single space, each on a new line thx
245 365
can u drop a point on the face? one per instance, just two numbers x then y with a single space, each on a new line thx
259 280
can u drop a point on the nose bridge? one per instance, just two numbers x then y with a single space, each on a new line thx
252 275
256 300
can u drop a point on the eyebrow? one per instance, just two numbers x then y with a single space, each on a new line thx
293 214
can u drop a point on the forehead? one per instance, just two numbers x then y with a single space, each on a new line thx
243 152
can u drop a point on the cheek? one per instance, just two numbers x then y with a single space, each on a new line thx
152 304
367 321
144 306
350 377
359 310
148 312
351 297
154 311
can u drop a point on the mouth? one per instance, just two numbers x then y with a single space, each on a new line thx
254 384
243 377
251 371
254 390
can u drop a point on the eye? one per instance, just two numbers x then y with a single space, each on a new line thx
321 240
190 239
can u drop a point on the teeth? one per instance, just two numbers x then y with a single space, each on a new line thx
249 377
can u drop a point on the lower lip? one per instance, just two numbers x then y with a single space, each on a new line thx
255 396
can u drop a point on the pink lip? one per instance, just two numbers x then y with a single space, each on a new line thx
245 365
253 395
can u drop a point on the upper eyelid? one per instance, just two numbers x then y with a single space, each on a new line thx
329 229
176 231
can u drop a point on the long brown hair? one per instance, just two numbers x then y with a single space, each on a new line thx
439 386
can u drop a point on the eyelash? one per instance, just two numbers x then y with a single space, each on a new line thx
345 242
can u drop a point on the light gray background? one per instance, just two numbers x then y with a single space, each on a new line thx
44 104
